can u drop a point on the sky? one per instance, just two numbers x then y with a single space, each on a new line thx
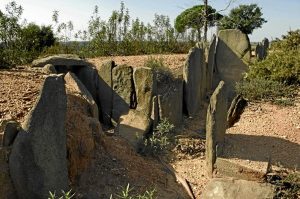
282 16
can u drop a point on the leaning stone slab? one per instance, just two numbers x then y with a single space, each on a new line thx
220 188
123 88
38 161
235 111
193 78
82 126
233 53
216 126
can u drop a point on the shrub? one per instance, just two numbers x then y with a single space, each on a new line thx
283 62
159 140
263 89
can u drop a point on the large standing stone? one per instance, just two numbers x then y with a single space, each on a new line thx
170 102
82 126
105 90
193 72
232 55
123 97
211 63
137 123
230 188
38 162
216 126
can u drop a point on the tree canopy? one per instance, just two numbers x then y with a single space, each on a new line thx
195 17
245 18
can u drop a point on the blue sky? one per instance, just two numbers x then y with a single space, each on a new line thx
281 15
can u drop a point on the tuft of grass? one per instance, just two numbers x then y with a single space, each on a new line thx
126 194
63 195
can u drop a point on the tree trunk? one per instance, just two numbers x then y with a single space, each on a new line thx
205 20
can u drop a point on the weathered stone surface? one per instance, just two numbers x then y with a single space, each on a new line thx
211 63
11 130
215 126
170 102
106 91
232 55
137 123
133 127
49 69
82 126
90 79
7 190
59 60
38 161
261 49
193 74
145 88
235 111
229 188
123 97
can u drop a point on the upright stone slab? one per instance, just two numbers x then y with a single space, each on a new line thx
38 161
105 90
193 77
216 126
170 102
211 63
232 58
137 123
82 126
123 97
90 79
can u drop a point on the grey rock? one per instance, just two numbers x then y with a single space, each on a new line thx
230 188
215 126
38 161
66 60
235 111
106 91
123 87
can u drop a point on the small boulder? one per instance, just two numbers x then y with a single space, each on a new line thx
49 69
230 188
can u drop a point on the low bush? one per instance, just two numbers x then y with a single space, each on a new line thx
268 90
159 140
